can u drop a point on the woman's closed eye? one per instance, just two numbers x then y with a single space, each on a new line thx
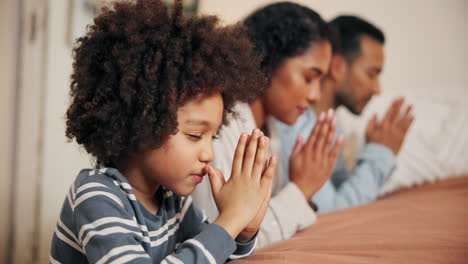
310 77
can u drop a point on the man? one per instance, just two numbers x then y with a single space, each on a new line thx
352 80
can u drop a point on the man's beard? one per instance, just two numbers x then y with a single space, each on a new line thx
346 100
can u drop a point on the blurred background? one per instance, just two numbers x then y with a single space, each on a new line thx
426 57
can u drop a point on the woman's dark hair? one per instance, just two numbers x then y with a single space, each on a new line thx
283 30
138 64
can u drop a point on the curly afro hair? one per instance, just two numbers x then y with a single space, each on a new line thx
139 63
284 30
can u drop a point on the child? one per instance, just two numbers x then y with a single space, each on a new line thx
149 92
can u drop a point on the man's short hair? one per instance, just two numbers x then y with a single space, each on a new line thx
347 32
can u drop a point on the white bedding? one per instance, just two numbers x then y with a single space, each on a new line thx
436 146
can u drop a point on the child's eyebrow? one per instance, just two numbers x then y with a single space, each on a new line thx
197 122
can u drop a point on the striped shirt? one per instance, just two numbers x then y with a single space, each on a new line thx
102 222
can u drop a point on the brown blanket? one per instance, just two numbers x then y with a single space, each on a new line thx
426 224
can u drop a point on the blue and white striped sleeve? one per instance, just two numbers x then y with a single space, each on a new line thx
106 230
207 243
96 223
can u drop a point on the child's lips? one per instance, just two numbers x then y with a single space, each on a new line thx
198 177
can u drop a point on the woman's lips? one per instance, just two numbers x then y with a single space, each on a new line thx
301 110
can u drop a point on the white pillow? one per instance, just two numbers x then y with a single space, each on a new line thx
436 146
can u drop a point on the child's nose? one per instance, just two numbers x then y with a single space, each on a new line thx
207 154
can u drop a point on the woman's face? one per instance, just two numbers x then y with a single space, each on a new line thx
296 83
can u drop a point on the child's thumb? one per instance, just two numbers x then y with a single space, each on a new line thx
216 179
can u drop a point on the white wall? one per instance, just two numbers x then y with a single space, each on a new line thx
425 53
45 163
62 160
28 159
427 40
9 28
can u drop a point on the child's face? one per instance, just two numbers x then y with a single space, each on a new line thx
179 164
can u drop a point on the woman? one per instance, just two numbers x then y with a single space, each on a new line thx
295 44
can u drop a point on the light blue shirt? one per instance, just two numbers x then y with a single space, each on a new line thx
344 189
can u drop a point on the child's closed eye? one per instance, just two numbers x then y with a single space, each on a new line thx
198 137
194 136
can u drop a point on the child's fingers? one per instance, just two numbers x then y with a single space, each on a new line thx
250 152
260 158
266 187
267 176
239 154
216 179
268 193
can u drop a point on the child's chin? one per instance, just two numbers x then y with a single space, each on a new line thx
185 191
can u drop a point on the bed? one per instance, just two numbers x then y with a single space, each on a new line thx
423 224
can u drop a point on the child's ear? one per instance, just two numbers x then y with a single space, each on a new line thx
338 67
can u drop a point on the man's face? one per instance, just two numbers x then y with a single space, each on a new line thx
361 78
